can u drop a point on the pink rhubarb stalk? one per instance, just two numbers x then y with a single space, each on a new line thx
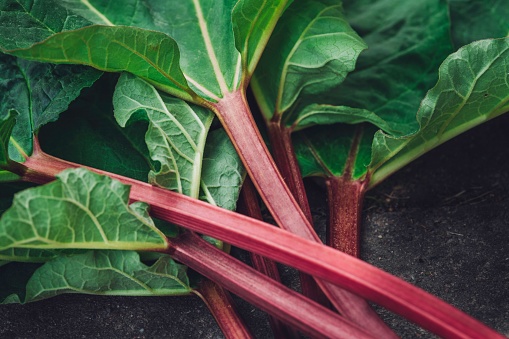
234 113
316 259
248 205
261 291
222 307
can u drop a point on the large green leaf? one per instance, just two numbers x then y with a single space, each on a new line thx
176 133
315 48
478 19
473 87
204 32
407 43
79 210
107 273
203 29
116 49
39 93
253 22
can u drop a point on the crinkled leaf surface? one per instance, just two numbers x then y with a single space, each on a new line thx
316 48
473 87
20 254
176 133
222 174
203 30
39 93
79 210
478 19
407 41
107 273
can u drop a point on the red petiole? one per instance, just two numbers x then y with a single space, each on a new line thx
318 260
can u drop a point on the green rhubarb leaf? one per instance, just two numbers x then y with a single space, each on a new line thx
222 174
79 210
318 114
115 49
478 19
407 43
209 35
202 28
108 273
473 87
39 93
65 33
253 22
176 133
315 48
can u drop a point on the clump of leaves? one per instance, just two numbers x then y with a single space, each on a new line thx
184 64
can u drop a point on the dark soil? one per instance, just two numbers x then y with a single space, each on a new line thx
441 224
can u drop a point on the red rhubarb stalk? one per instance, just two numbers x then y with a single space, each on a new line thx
316 259
261 291
248 205
345 197
222 307
237 120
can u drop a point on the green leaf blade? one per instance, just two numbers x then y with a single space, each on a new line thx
407 44
176 133
71 213
317 48
223 173
108 273
473 87
115 49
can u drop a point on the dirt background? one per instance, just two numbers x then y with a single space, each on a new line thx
441 224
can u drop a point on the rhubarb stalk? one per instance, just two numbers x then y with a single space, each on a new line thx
318 260
248 205
222 307
238 121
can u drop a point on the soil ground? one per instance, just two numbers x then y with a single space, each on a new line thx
441 224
